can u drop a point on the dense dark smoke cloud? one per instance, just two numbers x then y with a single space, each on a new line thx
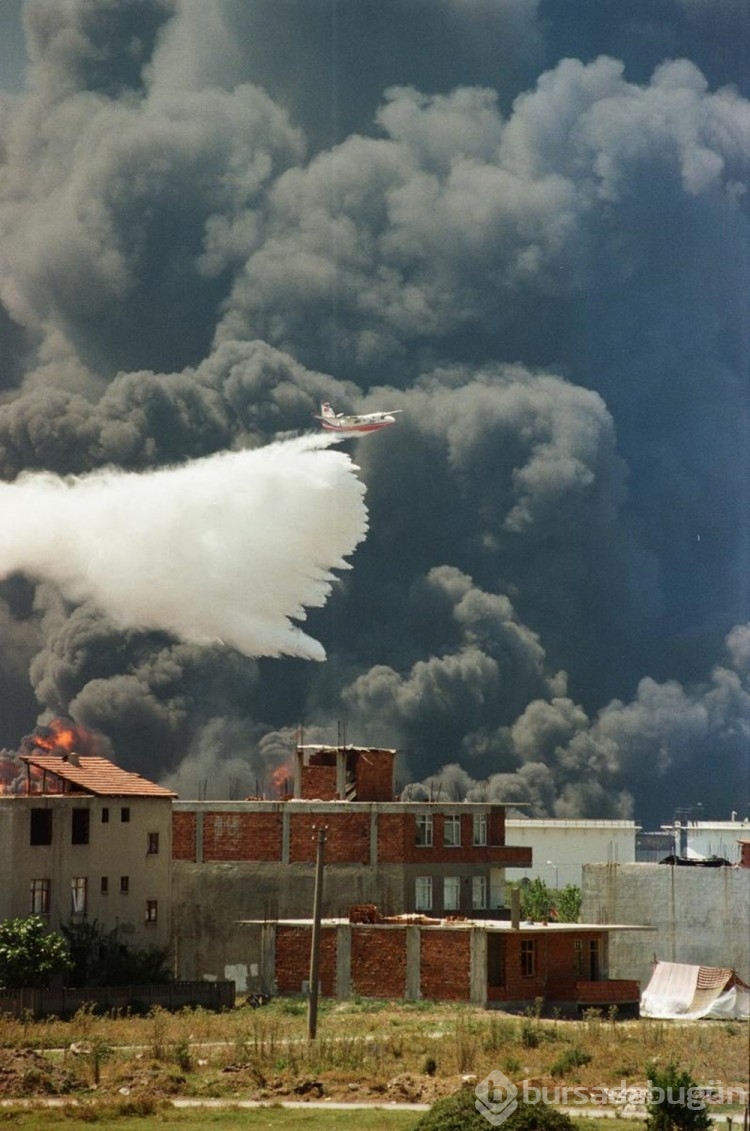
525 224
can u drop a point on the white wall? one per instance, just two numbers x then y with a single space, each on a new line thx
560 848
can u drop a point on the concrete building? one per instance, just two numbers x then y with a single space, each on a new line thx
561 847
698 915
693 839
87 840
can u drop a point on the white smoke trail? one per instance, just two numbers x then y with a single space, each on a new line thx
233 547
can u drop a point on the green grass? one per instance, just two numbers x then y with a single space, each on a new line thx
223 1119
165 1118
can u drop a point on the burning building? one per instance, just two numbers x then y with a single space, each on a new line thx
80 837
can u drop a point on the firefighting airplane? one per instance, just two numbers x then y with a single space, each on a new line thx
370 422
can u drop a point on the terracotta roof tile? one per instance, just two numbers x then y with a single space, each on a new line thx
97 775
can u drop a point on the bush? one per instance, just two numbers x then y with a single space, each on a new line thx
571 1058
458 1113
676 1104
31 954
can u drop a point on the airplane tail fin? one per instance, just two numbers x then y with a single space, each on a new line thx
326 411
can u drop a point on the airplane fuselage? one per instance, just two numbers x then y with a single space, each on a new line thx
371 423
341 422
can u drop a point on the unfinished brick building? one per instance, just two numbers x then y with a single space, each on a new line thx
505 964
255 859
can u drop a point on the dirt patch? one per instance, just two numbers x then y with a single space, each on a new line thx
24 1072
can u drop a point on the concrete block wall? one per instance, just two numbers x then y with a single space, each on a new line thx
697 915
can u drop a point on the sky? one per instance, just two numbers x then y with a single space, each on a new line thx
524 224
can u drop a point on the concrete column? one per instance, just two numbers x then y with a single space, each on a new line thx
341 774
344 961
478 967
373 837
268 958
413 964
285 835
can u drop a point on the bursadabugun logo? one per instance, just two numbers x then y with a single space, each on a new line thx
496 1097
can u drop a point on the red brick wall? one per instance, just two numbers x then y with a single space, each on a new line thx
391 842
397 835
183 836
496 826
293 959
319 783
241 836
347 837
378 962
555 975
375 776
445 965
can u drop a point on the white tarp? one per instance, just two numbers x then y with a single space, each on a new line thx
680 991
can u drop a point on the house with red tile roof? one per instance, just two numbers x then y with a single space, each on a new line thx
83 839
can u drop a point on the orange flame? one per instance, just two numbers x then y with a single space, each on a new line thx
62 736
282 778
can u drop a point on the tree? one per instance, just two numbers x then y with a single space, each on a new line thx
569 904
100 958
537 900
675 1102
31 954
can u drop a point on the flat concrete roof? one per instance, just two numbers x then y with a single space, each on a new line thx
499 925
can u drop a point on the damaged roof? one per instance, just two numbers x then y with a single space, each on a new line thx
92 774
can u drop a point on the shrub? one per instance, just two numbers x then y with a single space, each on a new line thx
459 1113
676 1104
571 1058
31 954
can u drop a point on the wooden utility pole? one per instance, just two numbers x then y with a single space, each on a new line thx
312 1000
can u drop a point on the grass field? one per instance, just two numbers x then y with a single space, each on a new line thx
121 1070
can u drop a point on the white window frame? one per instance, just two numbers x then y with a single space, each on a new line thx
423 893
423 830
479 835
452 839
79 895
479 893
451 893
39 896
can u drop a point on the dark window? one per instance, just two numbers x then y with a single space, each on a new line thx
105 815
105 885
151 910
125 814
124 884
495 960
579 963
80 826
594 960
528 958
586 959
153 844
41 826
